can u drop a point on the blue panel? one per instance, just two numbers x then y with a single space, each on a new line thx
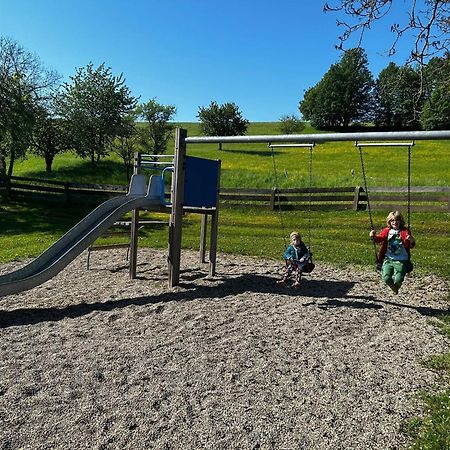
200 183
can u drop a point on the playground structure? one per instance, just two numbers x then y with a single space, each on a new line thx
194 189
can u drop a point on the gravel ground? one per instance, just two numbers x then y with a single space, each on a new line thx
92 360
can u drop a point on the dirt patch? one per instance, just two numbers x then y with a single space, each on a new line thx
92 360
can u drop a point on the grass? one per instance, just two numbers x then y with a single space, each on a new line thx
432 431
28 228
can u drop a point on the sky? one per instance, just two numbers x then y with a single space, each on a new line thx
260 54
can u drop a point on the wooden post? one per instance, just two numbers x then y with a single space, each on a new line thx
214 231
356 198
272 199
134 226
176 215
203 229
134 242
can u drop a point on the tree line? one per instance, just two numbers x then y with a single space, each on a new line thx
401 97
95 113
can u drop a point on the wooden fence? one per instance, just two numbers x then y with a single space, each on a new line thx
58 190
423 198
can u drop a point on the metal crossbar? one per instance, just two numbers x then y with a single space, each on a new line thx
384 144
312 144
325 137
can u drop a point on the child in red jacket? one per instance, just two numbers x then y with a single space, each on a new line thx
396 243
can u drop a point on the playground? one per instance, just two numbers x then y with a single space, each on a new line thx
174 350
228 362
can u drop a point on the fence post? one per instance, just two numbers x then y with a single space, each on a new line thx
356 198
66 192
272 198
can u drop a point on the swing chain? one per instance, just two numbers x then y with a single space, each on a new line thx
409 187
368 200
310 196
277 193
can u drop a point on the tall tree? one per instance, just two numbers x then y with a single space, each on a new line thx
436 110
158 117
396 92
130 138
49 137
24 83
93 106
343 95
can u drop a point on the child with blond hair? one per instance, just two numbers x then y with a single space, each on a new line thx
296 257
395 253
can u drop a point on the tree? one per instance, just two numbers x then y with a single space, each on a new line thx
290 124
397 104
159 127
436 112
49 137
343 95
130 138
93 107
428 22
222 120
24 83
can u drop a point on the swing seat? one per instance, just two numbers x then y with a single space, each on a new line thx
308 265
409 266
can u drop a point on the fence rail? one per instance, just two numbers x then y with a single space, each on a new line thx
423 198
51 189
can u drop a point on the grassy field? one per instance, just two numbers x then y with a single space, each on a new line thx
254 232
251 165
27 227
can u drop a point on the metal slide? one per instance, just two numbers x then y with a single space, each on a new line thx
77 239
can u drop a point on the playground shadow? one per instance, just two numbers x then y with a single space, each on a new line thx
264 153
336 294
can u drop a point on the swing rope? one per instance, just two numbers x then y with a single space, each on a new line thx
368 200
409 187
277 193
310 197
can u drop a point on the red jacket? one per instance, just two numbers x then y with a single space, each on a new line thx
382 237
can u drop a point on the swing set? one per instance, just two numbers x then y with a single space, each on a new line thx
309 266
370 139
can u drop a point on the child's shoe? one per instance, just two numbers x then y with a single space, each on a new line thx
296 284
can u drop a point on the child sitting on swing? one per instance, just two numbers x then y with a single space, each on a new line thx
396 243
296 257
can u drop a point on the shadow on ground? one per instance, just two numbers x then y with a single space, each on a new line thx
336 294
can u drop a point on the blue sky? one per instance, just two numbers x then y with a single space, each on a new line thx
260 54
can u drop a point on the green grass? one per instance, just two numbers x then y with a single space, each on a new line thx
251 165
432 430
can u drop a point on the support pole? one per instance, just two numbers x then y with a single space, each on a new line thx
203 230
214 231
134 242
176 215
134 226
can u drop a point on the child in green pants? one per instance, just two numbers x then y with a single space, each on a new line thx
396 243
